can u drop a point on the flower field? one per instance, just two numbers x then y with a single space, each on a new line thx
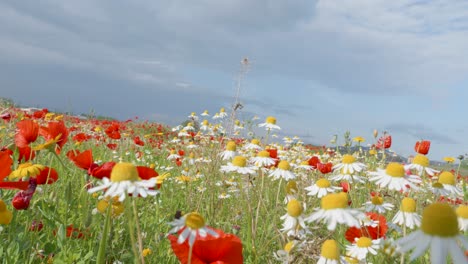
79 189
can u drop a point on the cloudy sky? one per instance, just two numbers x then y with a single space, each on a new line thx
319 67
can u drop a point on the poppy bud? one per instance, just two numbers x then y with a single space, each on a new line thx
422 147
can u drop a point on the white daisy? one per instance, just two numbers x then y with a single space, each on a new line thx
349 165
335 211
230 151
191 224
363 246
183 133
239 165
377 204
253 145
173 155
193 116
124 180
345 175
293 219
222 113
438 189
330 253
205 113
394 178
407 215
175 140
462 214
439 232
321 188
448 180
420 163
270 124
283 171
263 159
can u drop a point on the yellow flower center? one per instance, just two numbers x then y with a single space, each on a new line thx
395 170
377 200
239 161
2 206
305 162
421 160
294 208
284 165
439 219
291 187
231 146
462 211
222 110
330 250
364 242
205 122
323 183
408 205
289 246
124 171
348 159
271 120
194 221
447 178
255 141
334 201
263 154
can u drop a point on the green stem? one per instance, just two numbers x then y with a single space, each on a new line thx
131 231
101 256
140 241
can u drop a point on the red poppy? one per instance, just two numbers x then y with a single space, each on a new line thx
113 131
225 249
376 232
325 168
26 132
81 137
5 164
112 146
40 113
83 160
273 153
26 154
314 161
138 141
47 176
181 152
101 171
384 141
146 173
422 147
53 131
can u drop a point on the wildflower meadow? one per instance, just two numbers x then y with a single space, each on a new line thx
214 189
